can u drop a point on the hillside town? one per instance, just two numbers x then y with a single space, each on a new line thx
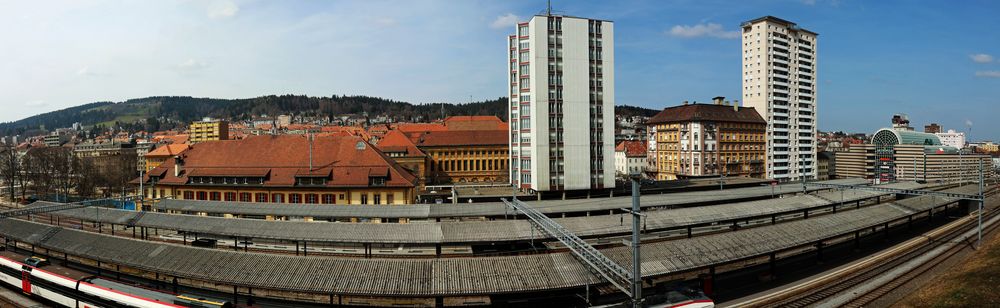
569 197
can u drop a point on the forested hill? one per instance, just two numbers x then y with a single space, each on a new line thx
165 112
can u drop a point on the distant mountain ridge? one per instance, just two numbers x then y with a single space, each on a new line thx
165 112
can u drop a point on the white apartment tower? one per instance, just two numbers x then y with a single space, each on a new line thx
562 102
779 81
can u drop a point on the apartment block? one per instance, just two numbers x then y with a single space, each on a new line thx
779 81
208 130
706 140
561 86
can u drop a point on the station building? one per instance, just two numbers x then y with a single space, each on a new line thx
338 169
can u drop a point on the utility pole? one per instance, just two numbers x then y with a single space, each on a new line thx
636 256
982 199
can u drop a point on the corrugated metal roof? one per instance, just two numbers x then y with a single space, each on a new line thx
448 276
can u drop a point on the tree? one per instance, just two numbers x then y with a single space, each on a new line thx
10 168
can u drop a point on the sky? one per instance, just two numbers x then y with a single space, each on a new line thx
937 61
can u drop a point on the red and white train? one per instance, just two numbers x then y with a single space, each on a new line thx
66 291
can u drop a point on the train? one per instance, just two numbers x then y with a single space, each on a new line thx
83 293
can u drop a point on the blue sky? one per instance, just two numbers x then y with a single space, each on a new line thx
938 61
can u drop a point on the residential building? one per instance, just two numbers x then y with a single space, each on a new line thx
707 140
162 154
932 128
780 82
952 138
901 122
284 120
562 93
985 147
208 129
108 154
826 165
630 157
283 169
903 155
55 140
141 149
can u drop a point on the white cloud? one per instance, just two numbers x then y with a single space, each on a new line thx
191 65
222 9
84 71
700 30
506 21
981 58
988 74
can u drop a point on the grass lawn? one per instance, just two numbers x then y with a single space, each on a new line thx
973 283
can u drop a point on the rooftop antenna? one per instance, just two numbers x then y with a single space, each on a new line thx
548 8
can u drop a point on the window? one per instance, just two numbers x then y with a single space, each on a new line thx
278 198
244 197
364 198
327 198
261 197
294 198
312 198
202 195
377 181
342 197
214 196
377 199
230 196
389 198
188 195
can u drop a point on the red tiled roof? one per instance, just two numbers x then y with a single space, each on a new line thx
459 137
349 158
474 123
175 139
706 112
227 171
168 150
632 148
421 127
396 141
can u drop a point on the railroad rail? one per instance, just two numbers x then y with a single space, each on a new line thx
817 290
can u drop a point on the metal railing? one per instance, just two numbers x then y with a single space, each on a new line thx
596 262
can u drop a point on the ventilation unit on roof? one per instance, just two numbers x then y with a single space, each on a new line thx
360 145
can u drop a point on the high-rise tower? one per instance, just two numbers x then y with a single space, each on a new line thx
779 81
562 98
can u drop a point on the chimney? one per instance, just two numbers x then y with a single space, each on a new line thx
718 99
727 103
178 166
736 105
685 103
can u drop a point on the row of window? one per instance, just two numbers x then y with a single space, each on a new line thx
469 165
279 197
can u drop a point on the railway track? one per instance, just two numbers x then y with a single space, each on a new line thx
871 296
816 291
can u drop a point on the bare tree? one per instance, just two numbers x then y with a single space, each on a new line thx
10 169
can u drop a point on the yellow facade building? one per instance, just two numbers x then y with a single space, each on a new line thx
280 169
208 130
706 140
